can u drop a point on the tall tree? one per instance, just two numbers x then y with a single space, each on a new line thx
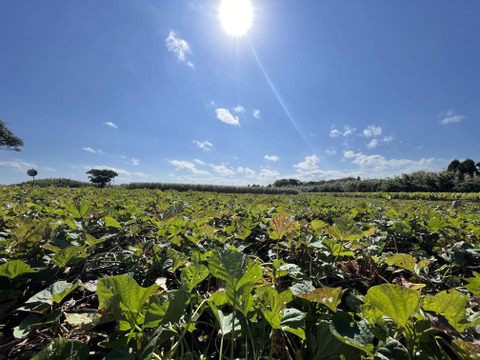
8 141
101 177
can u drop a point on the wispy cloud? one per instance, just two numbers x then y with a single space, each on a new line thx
239 109
331 151
200 162
246 171
256 114
310 163
347 130
17 165
387 139
135 162
372 144
222 170
372 131
110 124
450 117
179 47
271 158
90 150
225 116
204 145
381 167
268 175
188 166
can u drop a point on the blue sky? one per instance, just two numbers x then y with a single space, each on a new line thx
160 92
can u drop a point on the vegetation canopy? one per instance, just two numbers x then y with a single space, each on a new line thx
101 177
8 141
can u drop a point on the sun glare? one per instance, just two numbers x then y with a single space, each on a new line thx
236 16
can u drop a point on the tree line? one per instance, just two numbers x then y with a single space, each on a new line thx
460 176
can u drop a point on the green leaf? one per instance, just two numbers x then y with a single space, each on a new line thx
330 297
293 320
123 352
111 222
14 268
132 296
227 265
178 258
25 326
391 349
54 293
405 261
252 275
474 284
451 304
393 301
344 228
63 349
69 255
193 275
271 306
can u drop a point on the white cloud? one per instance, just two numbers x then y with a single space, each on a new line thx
246 171
449 117
111 124
179 47
140 174
204 145
222 170
17 165
372 130
90 150
347 131
268 175
334 133
188 166
387 139
135 162
310 163
331 152
225 116
256 114
239 109
200 162
372 144
271 158
377 166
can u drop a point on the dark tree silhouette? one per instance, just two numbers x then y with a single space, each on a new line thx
101 177
8 141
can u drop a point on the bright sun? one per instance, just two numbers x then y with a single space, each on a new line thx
236 16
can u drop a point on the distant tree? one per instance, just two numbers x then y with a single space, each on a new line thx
101 177
467 167
453 166
287 182
8 141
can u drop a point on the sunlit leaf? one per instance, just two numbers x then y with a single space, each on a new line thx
451 304
63 349
393 301
330 297
14 268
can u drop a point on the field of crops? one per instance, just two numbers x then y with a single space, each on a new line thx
145 274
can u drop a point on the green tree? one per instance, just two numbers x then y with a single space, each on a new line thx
101 177
8 141
468 167
453 166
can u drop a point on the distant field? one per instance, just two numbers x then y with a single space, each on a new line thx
115 273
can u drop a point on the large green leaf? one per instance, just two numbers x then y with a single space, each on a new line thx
227 265
63 349
111 222
330 297
293 321
393 301
54 293
451 304
14 268
69 255
344 228
193 275
132 296
474 284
